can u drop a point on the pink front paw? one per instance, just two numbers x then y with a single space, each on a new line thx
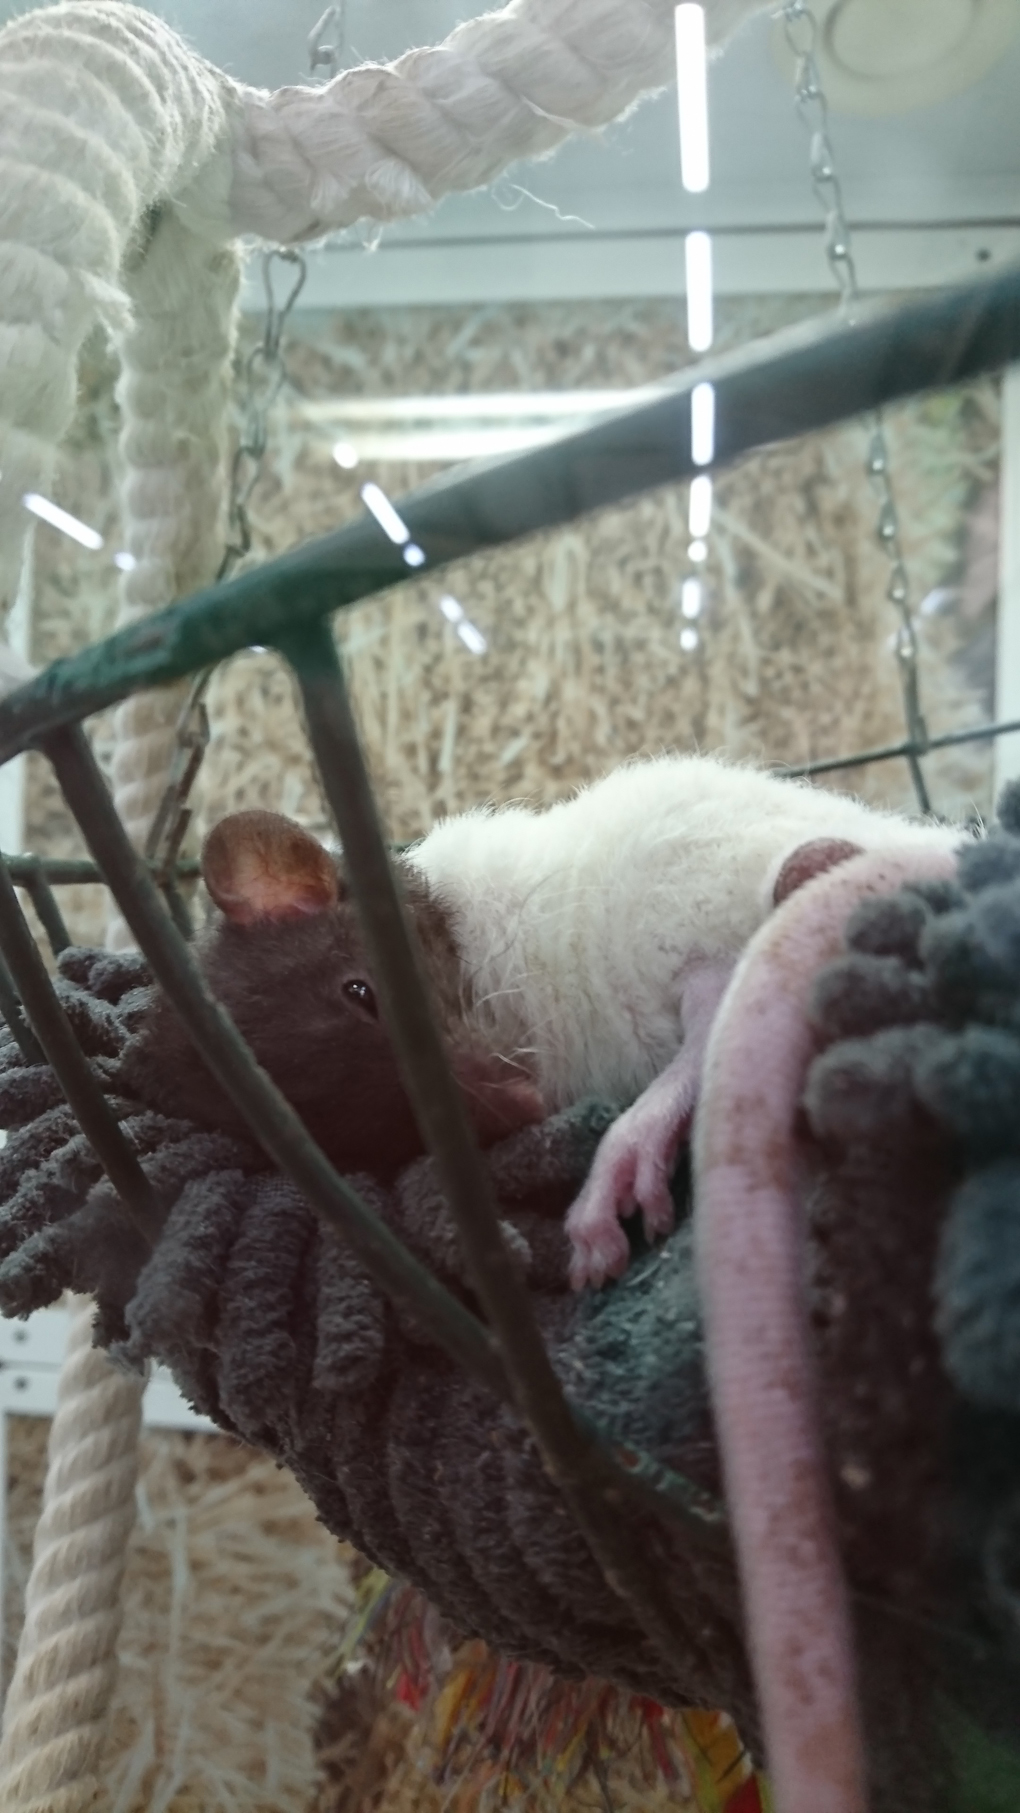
630 1172
598 1244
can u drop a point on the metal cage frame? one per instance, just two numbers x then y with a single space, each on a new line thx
796 381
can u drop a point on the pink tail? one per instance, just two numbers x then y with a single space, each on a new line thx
750 1259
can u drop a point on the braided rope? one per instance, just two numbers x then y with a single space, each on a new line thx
55 1715
173 394
102 113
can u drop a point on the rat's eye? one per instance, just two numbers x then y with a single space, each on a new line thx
360 995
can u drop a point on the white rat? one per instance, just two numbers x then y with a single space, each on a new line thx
596 940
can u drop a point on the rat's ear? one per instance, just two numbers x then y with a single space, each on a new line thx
261 866
809 860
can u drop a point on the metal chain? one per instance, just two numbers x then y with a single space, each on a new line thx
323 52
801 29
265 373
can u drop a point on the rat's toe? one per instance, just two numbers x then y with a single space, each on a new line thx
652 1190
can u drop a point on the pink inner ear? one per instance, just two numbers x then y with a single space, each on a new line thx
261 866
809 860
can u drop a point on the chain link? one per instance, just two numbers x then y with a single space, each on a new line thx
801 30
265 374
325 52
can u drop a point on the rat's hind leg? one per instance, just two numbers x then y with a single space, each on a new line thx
638 1155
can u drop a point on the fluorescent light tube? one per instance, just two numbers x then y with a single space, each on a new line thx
60 519
698 263
451 608
692 97
390 521
703 424
699 510
691 598
472 637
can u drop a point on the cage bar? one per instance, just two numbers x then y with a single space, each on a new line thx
55 1034
791 383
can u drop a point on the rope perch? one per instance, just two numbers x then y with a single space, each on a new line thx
55 1714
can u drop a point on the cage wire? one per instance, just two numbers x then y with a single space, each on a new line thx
799 380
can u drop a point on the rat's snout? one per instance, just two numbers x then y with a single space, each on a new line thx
500 1095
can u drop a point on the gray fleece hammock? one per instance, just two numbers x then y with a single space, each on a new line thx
277 1333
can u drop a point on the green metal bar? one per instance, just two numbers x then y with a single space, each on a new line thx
178 907
55 1034
586 1476
71 871
887 752
44 900
796 381
14 1014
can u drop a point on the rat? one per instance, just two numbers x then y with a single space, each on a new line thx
578 950
597 939
283 953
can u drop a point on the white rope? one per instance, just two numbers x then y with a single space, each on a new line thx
173 394
105 112
55 1716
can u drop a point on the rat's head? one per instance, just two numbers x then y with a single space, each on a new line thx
284 954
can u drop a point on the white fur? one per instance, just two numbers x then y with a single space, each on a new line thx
579 924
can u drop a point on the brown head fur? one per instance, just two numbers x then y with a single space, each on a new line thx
285 956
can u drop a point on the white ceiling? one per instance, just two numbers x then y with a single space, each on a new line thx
937 188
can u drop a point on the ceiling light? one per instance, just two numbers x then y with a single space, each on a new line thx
703 424
688 640
390 521
125 561
691 598
692 97
698 551
60 519
698 269
345 455
450 428
451 608
414 555
699 509
886 56
472 637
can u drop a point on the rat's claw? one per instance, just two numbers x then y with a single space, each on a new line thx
599 1248
598 1254
631 1170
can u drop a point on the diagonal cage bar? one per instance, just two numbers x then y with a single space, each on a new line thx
54 1033
37 885
583 1474
795 381
14 1015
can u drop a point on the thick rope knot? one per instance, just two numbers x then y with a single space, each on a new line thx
106 113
